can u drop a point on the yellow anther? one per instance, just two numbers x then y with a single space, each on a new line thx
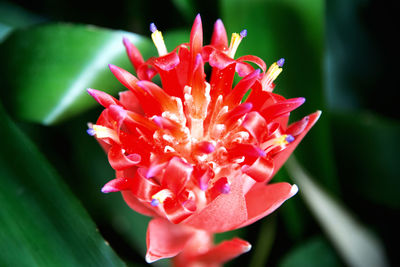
104 132
235 41
158 40
162 195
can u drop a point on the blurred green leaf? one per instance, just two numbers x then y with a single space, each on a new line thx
356 244
314 252
41 222
49 68
186 7
367 150
292 29
263 246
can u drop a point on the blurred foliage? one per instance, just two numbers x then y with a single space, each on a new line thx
337 56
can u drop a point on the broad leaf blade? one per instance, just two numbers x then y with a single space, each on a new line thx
50 67
41 222
356 244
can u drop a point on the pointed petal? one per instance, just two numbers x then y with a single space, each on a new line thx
133 53
196 37
102 98
225 251
219 38
280 158
273 111
126 78
261 200
118 184
236 95
165 240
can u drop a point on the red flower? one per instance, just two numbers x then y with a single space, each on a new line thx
192 154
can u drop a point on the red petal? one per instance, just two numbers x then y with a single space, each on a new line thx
176 175
166 62
225 212
254 59
130 101
196 38
133 53
165 240
262 200
256 125
119 161
235 96
126 78
224 252
280 158
273 111
219 38
142 187
261 170
118 184
102 98
220 60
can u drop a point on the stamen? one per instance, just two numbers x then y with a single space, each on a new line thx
103 132
154 202
161 196
273 72
235 41
90 131
289 138
158 40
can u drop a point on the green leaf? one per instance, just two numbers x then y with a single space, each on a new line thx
41 222
367 150
50 67
263 246
314 252
356 244
186 8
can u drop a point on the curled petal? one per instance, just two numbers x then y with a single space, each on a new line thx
165 63
258 61
261 170
220 60
177 174
165 240
119 161
255 124
142 187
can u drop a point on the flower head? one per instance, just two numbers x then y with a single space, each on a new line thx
192 153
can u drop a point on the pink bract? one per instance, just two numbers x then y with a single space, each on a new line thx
192 154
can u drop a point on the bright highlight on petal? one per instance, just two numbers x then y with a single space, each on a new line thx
194 152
